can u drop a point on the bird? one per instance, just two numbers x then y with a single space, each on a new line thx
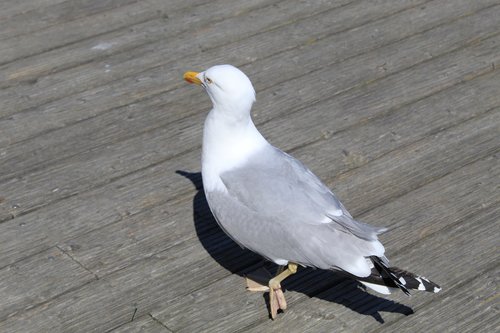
270 203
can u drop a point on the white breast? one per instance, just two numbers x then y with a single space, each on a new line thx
227 145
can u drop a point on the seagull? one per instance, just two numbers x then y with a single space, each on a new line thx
270 203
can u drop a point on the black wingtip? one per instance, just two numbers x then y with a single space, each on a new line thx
404 280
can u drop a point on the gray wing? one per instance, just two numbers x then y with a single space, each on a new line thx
275 184
278 208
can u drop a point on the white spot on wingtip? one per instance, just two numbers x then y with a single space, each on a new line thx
421 284
436 289
402 280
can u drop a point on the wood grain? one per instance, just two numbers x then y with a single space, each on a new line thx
103 222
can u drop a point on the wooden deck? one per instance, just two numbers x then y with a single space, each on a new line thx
104 227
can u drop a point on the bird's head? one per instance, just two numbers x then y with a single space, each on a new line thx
229 88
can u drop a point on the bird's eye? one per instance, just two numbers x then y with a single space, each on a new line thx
208 80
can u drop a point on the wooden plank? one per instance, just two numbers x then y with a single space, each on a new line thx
111 301
369 99
344 149
46 16
31 282
125 68
47 89
487 321
9 8
151 57
145 324
124 216
247 314
30 121
132 39
138 237
220 306
349 105
146 42
473 301
85 27
430 218
38 139
431 160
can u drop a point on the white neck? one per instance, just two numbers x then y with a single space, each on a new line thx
227 144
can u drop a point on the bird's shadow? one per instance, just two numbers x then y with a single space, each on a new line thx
326 285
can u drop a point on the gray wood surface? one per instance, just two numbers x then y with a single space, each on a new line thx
103 223
145 324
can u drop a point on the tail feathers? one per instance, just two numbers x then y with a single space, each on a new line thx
394 277
412 281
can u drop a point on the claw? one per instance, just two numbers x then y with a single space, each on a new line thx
280 297
277 302
277 299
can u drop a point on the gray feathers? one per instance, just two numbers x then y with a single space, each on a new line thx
278 208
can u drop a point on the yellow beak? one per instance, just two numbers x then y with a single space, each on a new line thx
191 78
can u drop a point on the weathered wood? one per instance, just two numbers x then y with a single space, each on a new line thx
473 299
394 104
118 67
132 39
345 102
112 300
428 159
303 64
127 118
72 31
341 149
145 324
57 13
10 8
34 280
230 301
203 29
